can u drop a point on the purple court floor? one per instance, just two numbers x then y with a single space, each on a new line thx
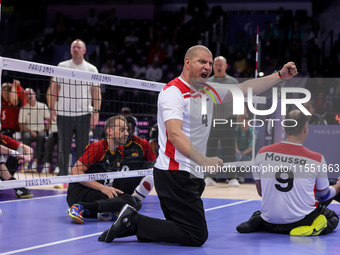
41 226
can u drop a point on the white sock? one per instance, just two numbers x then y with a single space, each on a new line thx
144 187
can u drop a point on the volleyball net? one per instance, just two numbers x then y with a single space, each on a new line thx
139 96
118 95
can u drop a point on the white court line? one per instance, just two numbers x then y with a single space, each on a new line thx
227 205
49 244
29 199
95 234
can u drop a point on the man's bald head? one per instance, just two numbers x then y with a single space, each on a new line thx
221 58
193 51
220 66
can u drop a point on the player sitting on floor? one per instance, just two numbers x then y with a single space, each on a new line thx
23 154
288 195
103 199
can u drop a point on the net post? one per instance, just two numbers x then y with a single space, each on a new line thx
256 74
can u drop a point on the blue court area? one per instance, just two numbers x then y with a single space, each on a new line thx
41 226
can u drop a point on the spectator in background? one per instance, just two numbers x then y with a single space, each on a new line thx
221 140
240 65
157 53
244 140
337 50
321 104
32 117
131 42
74 112
241 44
295 39
154 72
315 118
22 154
27 53
51 141
60 27
313 47
92 20
139 70
12 99
137 151
169 49
126 112
108 67
218 48
154 139
269 44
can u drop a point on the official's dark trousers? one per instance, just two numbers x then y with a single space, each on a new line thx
180 198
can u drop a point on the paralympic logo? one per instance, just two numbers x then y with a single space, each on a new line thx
210 94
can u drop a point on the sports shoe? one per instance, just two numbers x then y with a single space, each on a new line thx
76 213
241 179
318 225
61 186
233 183
23 193
25 169
34 166
252 225
209 181
107 216
56 170
122 227
46 168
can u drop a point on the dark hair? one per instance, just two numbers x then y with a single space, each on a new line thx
126 111
293 117
131 120
154 132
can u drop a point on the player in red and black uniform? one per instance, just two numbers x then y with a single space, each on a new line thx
137 155
12 99
98 198
21 153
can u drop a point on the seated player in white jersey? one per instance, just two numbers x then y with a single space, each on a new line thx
288 187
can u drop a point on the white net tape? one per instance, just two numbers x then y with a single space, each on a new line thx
41 181
48 70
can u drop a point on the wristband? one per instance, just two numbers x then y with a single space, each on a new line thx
280 75
96 110
13 153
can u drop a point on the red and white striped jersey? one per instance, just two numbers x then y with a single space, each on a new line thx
289 175
178 100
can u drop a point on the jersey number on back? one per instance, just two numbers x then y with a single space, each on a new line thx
286 180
